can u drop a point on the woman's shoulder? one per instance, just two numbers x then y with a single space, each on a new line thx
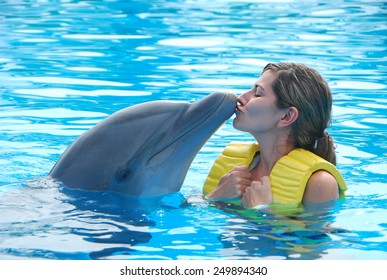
321 187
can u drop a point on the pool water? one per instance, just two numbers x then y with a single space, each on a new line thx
67 64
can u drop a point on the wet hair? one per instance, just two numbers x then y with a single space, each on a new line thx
300 86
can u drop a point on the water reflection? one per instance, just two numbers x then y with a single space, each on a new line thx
44 220
310 232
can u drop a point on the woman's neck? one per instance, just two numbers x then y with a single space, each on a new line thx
271 150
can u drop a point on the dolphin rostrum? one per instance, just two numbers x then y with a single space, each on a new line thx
145 149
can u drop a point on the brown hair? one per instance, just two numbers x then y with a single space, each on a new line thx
298 85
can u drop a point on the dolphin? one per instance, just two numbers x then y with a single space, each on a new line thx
143 150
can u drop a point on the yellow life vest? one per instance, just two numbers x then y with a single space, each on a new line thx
289 175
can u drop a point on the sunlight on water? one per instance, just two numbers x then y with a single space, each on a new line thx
190 42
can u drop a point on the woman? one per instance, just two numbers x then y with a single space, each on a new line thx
286 111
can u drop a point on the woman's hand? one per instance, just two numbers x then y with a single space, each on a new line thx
258 193
233 184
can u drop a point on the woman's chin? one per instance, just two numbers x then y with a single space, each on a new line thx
236 123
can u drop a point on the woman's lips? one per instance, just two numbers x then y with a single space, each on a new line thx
237 109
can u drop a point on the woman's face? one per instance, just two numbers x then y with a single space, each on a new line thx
257 111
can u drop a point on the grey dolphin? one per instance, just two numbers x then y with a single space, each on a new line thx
145 149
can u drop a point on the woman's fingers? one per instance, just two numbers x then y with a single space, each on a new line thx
258 193
233 184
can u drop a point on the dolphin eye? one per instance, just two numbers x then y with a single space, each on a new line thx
122 174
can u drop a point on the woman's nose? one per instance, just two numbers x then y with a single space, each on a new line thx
243 98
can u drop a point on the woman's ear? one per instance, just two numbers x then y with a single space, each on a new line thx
290 116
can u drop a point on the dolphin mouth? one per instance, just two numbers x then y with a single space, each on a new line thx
216 111
226 98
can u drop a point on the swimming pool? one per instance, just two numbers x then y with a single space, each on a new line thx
65 65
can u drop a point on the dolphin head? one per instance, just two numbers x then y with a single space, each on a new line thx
145 149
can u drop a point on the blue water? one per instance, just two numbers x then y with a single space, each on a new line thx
66 65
